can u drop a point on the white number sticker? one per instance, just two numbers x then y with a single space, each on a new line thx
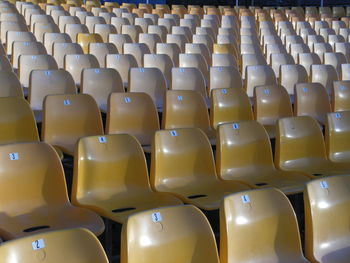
235 126
14 156
102 139
38 244
66 102
156 217
127 100
245 199
173 133
324 185
224 91
338 115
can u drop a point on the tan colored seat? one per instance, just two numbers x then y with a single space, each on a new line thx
40 202
279 59
74 29
161 61
343 48
327 219
300 147
60 50
249 232
179 40
40 29
133 31
150 40
326 32
6 26
10 85
251 60
101 50
129 16
79 244
56 14
321 48
91 21
258 75
51 38
120 168
333 39
182 30
224 77
324 74
229 105
312 39
271 102
345 71
189 23
188 79
65 20
45 82
82 15
311 99
161 31
307 60
78 116
198 48
118 22
5 64
204 39
143 23
100 83
75 63
40 18
195 61
335 59
27 63
193 183
104 30
296 49
168 23
195 238
122 63
291 75
138 50
186 109
341 96
172 50
150 81
119 40
26 48
13 36
224 60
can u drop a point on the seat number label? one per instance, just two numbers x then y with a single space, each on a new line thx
324 185
156 217
38 244
14 156
245 199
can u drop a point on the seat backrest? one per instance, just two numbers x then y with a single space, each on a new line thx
51 38
26 48
122 63
79 244
245 214
194 61
84 40
45 82
91 21
68 117
188 79
291 75
13 36
138 50
59 50
229 105
6 26
40 29
17 121
104 30
161 61
133 31
170 49
224 77
224 60
118 22
126 114
150 40
100 50
193 242
251 60
10 84
258 75
74 29
341 95
327 217
297 139
150 81
324 74
336 59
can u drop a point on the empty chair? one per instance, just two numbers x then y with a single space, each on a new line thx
5 64
167 22
118 22
335 59
13 36
65 20
321 48
251 60
127 113
179 40
122 63
40 18
225 49
100 83
150 81
118 40
137 50
307 60
186 109
101 50
343 48
312 39
27 63
44 82
85 39
291 75
296 49
199 48
143 23
271 102
345 71
258 75
26 48
195 181
104 30
60 50
325 32
224 77
74 29
188 79
333 39
161 61
40 29
75 63
258 211
51 38
49 207
195 61
229 105
170 49
327 219
78 116
119 166
324 74
195 238
300 147
203 39
278 59
341 96
82 15
311 99
79 244
91 21
7 26
10 85
150 40
224 60
133 31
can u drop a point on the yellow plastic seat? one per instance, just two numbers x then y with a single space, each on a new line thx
74 29
138 50
337 132
300 147
100 83
133 31
237 143
195 180
40 202
40 29
225 49
259 226
104 30
336 59
101 50
170 49
229 105
311 99
341 96
224 77
84 39
188 79
193 242
296 49
121 63
258 75
79 244
7 26
26 48
291 75
10 85
194 61
119 40
327 217
224 60
162 62
51 38
251 60
120 171
60 50
67 118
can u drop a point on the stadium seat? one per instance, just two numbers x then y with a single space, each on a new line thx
229 105
195 61
336 59
296 49
168 23
325 75
300 147
104 30
178 39
51 38
162 62
291 75
195 180
138 50
40 29
343 48
40 202
278 59
13 36
26 48
170 49
118 40
79 245
312 39
10 85
307 60
224 77
193 242
133 31
100 83
60 50
118 22
122 63
203 39
249 232
150 81
91 21
6 26
327 219
271 102
188 79
258 75
78 116
161 31
251 60
101 50
84 40
341 96
64 21
143 23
